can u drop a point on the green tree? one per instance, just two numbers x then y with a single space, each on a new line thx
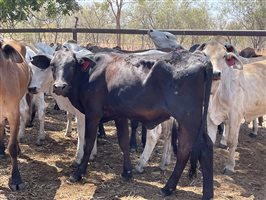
19 10
246 15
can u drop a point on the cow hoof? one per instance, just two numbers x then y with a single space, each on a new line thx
166 191
252 135
222 146
228 172
126 175
139 169
29 125
16 187
74 178
133 150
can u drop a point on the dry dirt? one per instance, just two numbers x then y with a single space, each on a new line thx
46 168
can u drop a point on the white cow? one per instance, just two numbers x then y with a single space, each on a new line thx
153 135
164 40
42 81
27 103
240 94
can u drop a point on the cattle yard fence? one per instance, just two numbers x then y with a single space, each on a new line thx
107 37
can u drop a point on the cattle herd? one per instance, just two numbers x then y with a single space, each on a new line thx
184 95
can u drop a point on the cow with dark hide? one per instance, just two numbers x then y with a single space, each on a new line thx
146 88
248 53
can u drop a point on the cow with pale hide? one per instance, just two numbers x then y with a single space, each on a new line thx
30 104
239 94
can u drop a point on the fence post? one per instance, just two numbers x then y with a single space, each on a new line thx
74 30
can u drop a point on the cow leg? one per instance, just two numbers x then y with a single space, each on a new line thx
234 126
143 135
24 117
133 138
90 136
186 139
166 132
224 139
123 139
41 116
13 148
260 119
254 132
2 137
69 124
206 163
101 131
152 139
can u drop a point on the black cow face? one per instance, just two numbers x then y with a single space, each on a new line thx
63 66
66 66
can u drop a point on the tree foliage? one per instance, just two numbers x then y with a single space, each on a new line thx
20 10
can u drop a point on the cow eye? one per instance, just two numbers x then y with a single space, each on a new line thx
167 36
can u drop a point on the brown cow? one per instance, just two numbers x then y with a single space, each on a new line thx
14 79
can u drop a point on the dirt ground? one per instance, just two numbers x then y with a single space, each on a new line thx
46 168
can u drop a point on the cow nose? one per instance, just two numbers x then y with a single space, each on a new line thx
60 89
60 86
32 90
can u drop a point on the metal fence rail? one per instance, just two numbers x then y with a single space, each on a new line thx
138 31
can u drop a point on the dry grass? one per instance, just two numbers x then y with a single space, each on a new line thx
46 168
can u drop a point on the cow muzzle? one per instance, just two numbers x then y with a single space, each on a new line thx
33 90
216 75
61 89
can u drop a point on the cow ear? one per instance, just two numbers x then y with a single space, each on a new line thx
86 63
41 61
233 61
201 47
11 53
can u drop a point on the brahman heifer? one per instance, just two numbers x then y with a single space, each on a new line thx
240 94
14 79
29 104
143 87
250 53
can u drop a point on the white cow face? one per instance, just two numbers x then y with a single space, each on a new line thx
163 39
41 80
220 57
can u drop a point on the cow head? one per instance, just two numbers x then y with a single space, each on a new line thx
164 40
66 65
221 56
223 59
42 78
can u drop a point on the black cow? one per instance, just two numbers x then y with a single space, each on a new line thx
248 53
146 88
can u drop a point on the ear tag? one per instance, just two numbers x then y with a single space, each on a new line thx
230 61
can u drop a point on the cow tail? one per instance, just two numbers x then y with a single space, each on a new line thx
200 144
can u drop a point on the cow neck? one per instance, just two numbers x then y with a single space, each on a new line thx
80 80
